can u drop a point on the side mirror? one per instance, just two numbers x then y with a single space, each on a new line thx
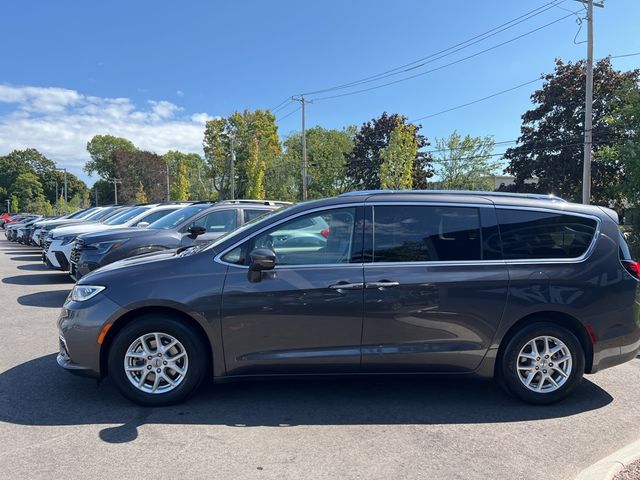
142 224
260 259
196 230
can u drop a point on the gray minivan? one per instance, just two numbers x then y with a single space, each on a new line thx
529 289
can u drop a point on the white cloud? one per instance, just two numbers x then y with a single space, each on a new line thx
59 122
180 93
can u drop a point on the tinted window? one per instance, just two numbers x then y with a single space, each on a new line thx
534 235
319 238
125 216
102 213
217 221
153 216
253 214
176 218
408 233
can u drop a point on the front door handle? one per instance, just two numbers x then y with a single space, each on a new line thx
346 286
382 284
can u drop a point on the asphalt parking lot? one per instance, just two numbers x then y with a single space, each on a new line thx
54 425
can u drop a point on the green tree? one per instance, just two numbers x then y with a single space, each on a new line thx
14 205
326 156
141 196
256 144
28 190
181 185
364 162
465 163
550 145
102 193
397 158
101 148
60 207
29 160
140 166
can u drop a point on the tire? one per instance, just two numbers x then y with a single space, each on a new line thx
189 350
519 362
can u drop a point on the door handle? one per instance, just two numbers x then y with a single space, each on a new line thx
382 284
346 286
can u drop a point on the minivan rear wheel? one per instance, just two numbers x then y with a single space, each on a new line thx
542 363
157 360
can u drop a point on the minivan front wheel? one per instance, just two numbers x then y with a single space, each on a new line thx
157 360
542 363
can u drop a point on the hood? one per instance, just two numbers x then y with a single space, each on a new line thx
59 221
138 261
114 233
81 228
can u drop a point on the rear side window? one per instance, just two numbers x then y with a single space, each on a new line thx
530 235
415 233
253 214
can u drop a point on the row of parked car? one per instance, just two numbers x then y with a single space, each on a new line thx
529 289
91 238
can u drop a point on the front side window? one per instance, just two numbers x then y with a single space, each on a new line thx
218 221
153 216
319 238
417 233
530 235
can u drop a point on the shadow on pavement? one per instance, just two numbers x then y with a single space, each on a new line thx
30 258
23 252
39 279
38 267
52 299
38 392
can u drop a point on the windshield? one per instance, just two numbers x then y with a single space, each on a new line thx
239 231
176 218
87 213
125 216
100 214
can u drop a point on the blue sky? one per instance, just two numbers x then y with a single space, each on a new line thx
154 71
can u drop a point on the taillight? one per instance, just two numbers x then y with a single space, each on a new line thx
324 232
632 267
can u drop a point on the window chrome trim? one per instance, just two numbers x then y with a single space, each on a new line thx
435 263
218 258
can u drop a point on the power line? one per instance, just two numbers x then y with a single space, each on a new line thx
288 114
507 90
501 92
286 100
439 54
447 64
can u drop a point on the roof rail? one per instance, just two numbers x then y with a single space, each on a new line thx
254 202
537 196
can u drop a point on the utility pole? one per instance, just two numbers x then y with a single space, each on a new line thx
588 106
115 182
66 203
96 195
168 191
233 168
305 178
9 206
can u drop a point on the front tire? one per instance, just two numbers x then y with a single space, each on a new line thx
157 360
542 363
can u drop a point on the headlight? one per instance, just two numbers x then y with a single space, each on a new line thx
67 239
81 293
104 247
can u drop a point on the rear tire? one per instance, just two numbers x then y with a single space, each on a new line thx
542 363
152 376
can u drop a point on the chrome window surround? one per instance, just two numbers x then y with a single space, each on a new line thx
545 261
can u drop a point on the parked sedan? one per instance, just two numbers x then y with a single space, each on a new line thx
195 224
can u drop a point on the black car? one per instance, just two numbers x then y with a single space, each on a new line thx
531 290
195 224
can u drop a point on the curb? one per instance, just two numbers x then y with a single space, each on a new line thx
608 467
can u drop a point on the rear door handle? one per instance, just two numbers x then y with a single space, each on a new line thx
346 286
382 284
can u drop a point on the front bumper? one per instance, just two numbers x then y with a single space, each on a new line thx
57 255
79 326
